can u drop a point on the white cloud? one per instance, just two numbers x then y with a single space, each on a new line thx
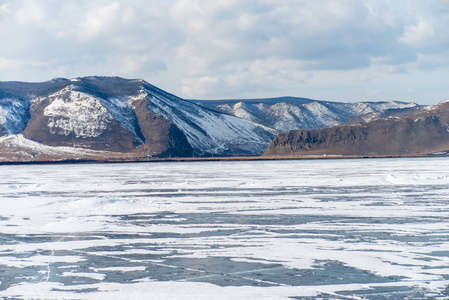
4 8
198 86
128 16
229 48
365 77
6 63
136 63
246 21
31 13
419 33
276 70
133 64
99 19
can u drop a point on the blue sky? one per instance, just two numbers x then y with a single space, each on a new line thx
337 50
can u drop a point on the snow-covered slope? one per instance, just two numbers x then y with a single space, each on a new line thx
210 132
73 112
18 148
287 113
73 117
13 116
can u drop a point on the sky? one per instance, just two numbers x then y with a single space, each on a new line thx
336 50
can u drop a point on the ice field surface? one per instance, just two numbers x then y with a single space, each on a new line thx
336 229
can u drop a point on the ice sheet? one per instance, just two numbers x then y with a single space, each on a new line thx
247 230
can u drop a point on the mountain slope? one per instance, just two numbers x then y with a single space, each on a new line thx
424 132
70 117
210 132
14 116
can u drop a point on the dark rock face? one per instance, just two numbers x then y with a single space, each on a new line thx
422 133
161 137
3 131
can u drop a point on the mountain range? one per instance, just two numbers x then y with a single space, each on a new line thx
112 118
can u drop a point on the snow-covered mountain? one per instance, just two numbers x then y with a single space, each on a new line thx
115 118
121 116
289 113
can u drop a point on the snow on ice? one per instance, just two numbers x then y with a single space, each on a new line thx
336 229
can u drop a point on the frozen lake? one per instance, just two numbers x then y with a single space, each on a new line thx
336 229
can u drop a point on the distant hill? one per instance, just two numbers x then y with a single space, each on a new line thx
424 132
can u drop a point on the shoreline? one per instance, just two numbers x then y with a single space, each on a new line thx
212 159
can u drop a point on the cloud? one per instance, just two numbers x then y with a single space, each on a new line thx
100 19
6 63
136 63
311 36
4 8
419 33
84 37
199 86
225 48
32 13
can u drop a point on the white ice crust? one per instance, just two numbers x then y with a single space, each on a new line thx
66 201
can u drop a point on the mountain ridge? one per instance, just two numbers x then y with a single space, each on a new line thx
423 133
289 113
118 117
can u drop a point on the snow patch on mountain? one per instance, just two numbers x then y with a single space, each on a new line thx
290 116
75 112
369 111
24 147
361 108
322 114
286 116
13 115
240 110
121 110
